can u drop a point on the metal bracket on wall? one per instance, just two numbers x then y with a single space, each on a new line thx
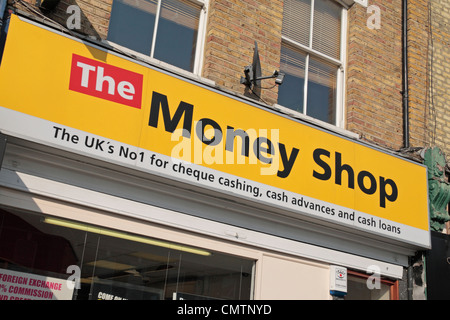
3 141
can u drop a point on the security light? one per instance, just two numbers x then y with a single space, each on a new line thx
279 77
253 72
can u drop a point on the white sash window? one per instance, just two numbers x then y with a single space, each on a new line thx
312 55
166 30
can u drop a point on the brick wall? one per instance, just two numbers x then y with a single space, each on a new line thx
94 14
438 113
418 71
233 27
374 75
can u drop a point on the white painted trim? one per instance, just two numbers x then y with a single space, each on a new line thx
155 30
342 74
201 32
42 132
316 122
305 85
33 185
193 200
340 63
310 50
201 37
157 63
32 172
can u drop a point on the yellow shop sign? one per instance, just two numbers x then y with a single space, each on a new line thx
76 96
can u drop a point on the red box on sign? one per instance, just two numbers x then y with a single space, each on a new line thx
105 81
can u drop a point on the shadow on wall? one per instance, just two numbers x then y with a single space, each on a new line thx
87 19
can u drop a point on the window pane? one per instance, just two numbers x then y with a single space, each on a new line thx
26 248
126 269
357 289
297 20
327 27
177 33
138 271
132 24
291 93
322 91
224 277
113 265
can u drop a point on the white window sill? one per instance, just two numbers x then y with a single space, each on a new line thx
158 63
324 125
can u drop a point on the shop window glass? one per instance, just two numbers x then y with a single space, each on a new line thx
358 288
113 265
163 29
311 58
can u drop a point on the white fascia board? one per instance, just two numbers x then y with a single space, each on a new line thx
67 193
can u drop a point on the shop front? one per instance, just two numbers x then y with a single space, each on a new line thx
121 180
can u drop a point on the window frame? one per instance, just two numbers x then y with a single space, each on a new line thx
199 48
339 63
394 293
112 257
